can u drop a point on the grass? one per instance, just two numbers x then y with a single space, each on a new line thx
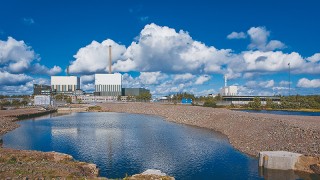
94 108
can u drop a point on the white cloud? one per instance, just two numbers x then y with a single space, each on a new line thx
284 83
8 79
306 83
28 21
236 35
87 79
315 58
17 58
202 79
151 77
259 40
15 55
181 78
260 84
157 48
41 69
95 57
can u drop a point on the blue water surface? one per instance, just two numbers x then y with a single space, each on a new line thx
121 144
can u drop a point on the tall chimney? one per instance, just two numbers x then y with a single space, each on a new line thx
68 71
225 80
110 61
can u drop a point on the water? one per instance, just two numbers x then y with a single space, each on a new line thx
296 113
121 143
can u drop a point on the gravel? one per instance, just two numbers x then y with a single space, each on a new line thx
248 132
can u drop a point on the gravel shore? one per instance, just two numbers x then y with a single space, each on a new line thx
21 164
248 132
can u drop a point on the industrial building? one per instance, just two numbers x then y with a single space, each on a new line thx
108 84
134 91
228 90
40 89
65 84
42 100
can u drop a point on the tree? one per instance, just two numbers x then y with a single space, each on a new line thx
256 104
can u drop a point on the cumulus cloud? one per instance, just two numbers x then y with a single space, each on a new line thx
94 57
260 84
87 78
13 79
202 79
315 58
306 83
259 40
236 35
157 48
151 77
15 55
41 69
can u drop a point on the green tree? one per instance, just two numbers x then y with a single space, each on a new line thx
256 104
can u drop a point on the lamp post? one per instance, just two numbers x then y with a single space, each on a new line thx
289 78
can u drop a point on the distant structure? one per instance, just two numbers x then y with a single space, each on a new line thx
134 91
42 100
40 89
65 84
228 90
108 84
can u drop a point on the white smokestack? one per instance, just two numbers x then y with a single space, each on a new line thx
110 61
225 80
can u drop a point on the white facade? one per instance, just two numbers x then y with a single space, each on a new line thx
65 83
42 100
229 91
108 84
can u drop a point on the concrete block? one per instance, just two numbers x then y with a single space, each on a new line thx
281 160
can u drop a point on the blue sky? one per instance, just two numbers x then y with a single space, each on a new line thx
166 46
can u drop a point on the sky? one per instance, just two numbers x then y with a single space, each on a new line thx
165 46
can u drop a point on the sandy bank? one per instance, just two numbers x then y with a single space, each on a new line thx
248 132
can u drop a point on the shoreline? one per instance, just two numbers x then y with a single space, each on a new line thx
26 164
248 133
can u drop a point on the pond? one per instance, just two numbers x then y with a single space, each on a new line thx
121 143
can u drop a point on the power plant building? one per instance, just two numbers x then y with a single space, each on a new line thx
134 91
228 90
65 84
108 84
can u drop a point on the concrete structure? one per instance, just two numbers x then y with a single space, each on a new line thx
134 91
228 90
42 100
108 84
281 160
242 100
40 89
94 99
65 84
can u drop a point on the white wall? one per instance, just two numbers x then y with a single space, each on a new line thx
63 83
108 79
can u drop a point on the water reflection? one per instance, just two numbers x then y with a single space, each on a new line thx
122 143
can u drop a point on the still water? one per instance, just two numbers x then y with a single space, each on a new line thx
121 143
296 113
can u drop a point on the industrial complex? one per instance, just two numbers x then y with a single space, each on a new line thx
108 87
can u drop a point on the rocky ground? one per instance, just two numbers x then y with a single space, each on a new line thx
21 164
248 132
